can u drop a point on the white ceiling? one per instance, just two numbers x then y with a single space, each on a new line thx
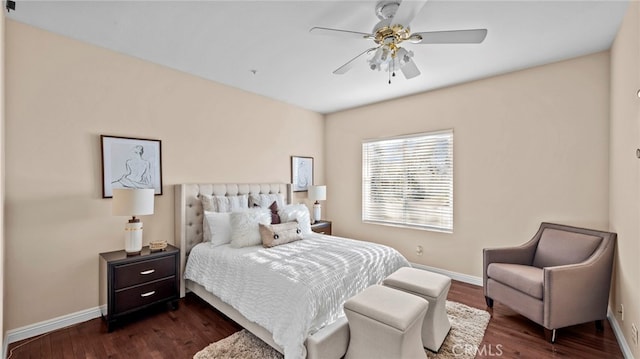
224 40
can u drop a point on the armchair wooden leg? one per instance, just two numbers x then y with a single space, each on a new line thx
489 302
550 335
600 325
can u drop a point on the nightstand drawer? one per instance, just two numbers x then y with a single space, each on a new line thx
144 271
135 297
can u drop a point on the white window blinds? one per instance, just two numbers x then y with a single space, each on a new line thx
408 181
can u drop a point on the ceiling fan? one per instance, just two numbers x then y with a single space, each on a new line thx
391 31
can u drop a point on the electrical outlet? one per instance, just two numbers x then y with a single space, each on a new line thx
634 334
419 250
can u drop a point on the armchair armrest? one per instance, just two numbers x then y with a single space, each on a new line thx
515 255
522 254
578 293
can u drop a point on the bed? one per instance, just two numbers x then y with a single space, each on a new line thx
264 290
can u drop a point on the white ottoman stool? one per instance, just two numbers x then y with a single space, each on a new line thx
385 323
434 288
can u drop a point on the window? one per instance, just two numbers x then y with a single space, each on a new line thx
408 181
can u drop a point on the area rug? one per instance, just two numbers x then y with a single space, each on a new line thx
467 330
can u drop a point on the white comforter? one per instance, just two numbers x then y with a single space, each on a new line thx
293 289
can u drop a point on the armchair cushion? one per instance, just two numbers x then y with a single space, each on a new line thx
557 247
526 279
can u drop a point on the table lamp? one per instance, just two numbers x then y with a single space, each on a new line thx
133 202
317 193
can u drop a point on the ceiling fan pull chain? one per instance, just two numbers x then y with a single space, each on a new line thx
391 69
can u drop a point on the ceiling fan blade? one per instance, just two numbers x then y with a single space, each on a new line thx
346 67
407 11
342 33
474 36
410 70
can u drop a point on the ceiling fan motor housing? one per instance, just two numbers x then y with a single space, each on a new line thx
387 35
384 32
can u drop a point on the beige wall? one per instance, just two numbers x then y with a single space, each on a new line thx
2 175
529 146
624 166
62 94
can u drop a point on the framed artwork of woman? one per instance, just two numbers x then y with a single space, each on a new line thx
130 163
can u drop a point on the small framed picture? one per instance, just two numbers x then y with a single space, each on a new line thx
301 173
130 163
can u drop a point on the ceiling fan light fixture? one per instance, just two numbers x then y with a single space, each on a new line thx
390 59
379 57
403 56
385 55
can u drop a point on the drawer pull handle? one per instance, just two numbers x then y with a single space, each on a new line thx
147 271
148 293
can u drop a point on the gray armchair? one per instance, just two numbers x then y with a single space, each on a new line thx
561 277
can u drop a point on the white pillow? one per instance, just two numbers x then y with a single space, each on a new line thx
216 228
265 200
245 226
296 212
231 203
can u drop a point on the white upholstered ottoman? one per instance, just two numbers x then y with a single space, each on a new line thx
385 323
434 288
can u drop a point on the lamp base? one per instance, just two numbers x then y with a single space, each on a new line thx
317 211
133 238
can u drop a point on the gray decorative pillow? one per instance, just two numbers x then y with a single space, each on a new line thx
231 203
224 203
208 203
277 234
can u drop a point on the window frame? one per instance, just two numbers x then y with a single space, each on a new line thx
438 212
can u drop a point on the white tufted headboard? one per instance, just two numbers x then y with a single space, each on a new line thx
188 209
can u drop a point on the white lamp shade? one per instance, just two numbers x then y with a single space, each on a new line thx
317 193
132 202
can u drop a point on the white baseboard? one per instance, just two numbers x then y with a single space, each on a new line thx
454 275
617 330
46 326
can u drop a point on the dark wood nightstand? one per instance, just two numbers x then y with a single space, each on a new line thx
321 226
131 283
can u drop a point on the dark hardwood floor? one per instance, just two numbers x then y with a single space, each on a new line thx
160 333
510 335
